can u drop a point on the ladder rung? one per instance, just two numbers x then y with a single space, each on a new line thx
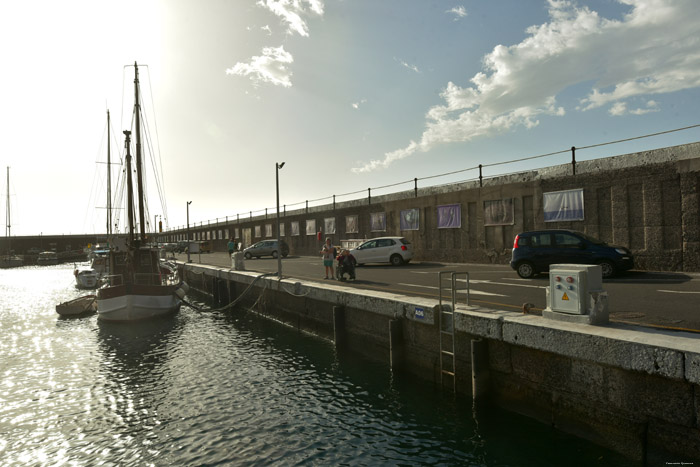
448 372
447 352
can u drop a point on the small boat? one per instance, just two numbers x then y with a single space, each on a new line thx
47 258
86 278
78 306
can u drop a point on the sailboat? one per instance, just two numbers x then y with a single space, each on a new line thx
9 260
138 286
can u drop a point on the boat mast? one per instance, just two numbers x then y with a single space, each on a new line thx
139 172
8 230
109 184
129 187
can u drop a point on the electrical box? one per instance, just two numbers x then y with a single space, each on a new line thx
571 285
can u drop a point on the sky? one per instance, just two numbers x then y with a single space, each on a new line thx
350 94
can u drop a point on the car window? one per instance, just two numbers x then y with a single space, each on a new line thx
541 240
385 242
372 244
567 240
405 241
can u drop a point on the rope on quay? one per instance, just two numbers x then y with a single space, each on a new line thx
233 303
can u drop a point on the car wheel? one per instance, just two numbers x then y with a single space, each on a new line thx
248 255
396 260
608 268
274 254
526 270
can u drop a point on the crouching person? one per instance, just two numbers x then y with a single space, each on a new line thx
346 265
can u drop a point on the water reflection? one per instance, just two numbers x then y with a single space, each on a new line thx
229 389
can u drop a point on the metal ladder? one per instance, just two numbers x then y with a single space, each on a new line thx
446 324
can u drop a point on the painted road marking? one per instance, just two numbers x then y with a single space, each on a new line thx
471 291
678 291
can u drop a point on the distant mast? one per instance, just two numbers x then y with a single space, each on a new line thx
139 172
109 184
8 230
129 187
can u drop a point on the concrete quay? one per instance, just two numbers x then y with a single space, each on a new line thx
632 389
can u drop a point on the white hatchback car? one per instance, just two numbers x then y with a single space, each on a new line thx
394 250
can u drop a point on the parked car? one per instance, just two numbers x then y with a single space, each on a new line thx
394 250
534 252
266 248
181 246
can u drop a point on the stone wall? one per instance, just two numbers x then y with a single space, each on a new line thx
647 201
631 389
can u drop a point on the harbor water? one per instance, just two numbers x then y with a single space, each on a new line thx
229 388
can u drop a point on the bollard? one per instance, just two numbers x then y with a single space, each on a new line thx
339 326
481 374
395 344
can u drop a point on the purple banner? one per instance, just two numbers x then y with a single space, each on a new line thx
449 216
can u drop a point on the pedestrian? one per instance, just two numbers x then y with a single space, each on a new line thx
231 246
329 253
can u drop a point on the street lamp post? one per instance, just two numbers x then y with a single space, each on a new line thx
188 231
278 166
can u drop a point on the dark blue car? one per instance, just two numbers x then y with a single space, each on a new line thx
534 252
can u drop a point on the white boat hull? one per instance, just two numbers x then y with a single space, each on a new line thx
137 306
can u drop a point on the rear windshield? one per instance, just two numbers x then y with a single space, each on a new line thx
405 241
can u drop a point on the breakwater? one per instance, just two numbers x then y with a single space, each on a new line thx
647 201
633 390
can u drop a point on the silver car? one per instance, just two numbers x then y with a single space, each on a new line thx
266 248
394 250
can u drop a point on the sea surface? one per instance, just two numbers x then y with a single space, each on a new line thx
229 388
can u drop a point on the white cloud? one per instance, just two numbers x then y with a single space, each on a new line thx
356 105
409 66
620 108
653 49
270 67
458 11
292 12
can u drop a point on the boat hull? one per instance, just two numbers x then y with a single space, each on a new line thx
77 306
136 302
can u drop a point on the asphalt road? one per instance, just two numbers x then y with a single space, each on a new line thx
667 300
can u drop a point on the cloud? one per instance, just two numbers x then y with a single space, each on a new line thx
653 49
270 67
459 12
356 105
408 65
619 109
292 12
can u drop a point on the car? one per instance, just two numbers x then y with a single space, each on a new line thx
535 251
393 250
266 248
181 246
33 251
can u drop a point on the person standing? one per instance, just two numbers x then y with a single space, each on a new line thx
231 246
328 252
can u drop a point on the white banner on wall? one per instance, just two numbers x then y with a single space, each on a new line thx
329 224
563 205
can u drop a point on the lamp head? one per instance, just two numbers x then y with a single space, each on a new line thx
279 166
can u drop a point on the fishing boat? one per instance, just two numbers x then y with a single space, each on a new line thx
9 260
86 278
47 258
137 286
78 306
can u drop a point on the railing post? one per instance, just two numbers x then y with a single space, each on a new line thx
415 186
265 213
369 196
334 202
285 210
481 178
307 206
573 158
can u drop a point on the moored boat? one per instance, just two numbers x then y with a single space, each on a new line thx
136 286
47 258
77 306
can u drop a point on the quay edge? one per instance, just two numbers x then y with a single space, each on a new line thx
634 390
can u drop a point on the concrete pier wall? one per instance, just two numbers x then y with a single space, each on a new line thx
634 390
647 201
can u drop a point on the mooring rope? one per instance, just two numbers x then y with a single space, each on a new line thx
233 303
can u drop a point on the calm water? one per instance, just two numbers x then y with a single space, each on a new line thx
228 389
